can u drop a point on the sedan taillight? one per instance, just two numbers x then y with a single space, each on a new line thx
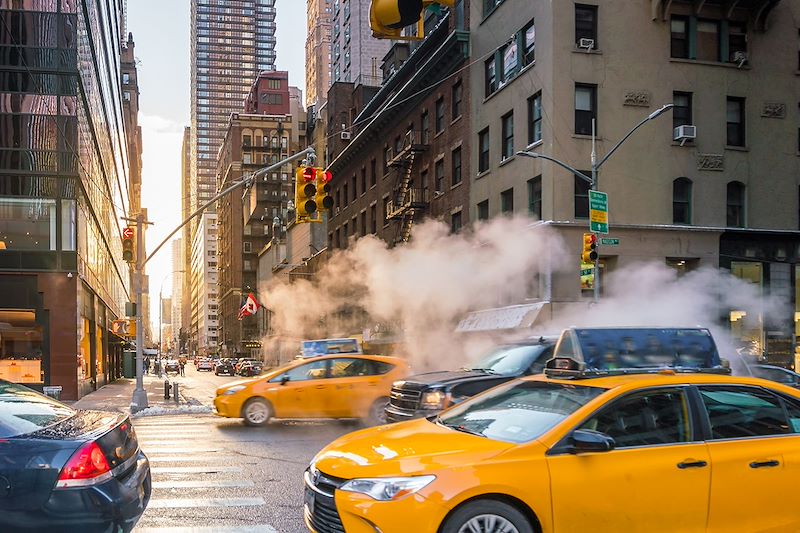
87 466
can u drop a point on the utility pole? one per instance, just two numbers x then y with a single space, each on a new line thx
595 187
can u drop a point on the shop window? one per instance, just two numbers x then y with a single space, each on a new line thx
28 224
20 347
746 321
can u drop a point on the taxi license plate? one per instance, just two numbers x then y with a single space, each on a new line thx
309 500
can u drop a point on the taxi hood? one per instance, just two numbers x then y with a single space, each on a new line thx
407 448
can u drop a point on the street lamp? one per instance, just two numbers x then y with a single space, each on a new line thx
593 180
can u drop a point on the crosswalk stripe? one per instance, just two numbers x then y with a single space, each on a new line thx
174 450
262 528
202 484
173 459
193 469
172 503
167 443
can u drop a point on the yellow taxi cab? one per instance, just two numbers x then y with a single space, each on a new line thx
351 386
609 450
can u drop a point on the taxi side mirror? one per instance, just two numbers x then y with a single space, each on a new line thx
284 380
587 440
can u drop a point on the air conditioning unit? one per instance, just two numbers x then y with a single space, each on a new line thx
684 133
345 135
587 44
740 58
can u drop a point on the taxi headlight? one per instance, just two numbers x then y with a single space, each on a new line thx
389 488
434 400
233 390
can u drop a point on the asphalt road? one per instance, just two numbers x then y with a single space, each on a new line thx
214 474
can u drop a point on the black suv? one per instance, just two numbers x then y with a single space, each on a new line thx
225 366
426 394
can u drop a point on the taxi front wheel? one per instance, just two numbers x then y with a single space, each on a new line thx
256 412
487 516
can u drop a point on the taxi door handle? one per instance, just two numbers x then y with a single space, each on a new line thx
321 386
692 464
764 464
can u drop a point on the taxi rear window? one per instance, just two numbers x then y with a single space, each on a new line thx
519 412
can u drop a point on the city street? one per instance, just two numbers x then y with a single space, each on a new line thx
218 475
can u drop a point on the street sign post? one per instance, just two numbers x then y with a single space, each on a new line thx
598 212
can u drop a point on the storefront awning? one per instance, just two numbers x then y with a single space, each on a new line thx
501 318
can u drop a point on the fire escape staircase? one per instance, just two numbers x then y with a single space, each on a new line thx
406 201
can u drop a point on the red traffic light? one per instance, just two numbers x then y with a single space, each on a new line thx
327 176
309 174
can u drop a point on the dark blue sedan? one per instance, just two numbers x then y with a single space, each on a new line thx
67 470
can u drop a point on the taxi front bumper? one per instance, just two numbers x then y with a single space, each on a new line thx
228 406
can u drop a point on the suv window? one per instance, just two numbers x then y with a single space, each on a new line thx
512 360
778 375
645 419
738 412
23 410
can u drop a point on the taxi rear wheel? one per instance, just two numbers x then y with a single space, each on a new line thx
487 517
256 412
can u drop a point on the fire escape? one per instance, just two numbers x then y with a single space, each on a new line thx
406 201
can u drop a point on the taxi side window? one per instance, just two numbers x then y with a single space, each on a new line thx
739 412
793 410
308 371
645 419
381 367
346 368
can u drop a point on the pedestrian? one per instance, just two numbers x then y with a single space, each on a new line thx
146 365
182 364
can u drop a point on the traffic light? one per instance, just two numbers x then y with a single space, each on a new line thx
589 252
324 199
128 237
387 18
305 191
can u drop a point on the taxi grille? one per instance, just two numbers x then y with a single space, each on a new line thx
407 400
320 505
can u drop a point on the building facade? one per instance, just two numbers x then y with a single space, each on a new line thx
402 153
186 333
271 129
205 302
318 51
65 184
712 182
356 56
177 291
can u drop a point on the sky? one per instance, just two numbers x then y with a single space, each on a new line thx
161 32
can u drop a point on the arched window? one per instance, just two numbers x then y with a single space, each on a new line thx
682 201
736 204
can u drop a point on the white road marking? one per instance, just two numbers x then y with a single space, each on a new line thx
173 503
202 484
193 469
263 528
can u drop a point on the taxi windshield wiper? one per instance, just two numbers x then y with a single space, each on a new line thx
485 370
460 428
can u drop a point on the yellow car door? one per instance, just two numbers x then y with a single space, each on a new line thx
351 382
656 479
755 460
301 391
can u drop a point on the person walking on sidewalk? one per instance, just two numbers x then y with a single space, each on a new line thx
182 364
146 365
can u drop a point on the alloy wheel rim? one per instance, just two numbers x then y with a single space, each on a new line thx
256 412
488 523
378 413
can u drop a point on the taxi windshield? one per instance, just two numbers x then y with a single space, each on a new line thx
519 412
509 360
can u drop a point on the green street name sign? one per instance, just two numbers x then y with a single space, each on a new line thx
598 212
609 242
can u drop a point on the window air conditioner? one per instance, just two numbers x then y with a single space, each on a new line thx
345 135
587 44
684 133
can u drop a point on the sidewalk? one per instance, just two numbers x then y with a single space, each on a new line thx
117 396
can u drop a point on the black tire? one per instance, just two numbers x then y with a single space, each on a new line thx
256 412
377 413
480 511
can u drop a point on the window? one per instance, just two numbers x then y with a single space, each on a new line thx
385 210
483 155
373 215
507 201
682 112
28 224
126 78
248 247
483 210
439 115
735 205
741 412
735 118
682 201
345 195
582 196
529 43
347 368
247 140
708 40
586 24
455 160
490 75
737 43
306 372
585 108
426 130
126 95
363 225
535 118
353 187
439 175
455 222
535 197
508 53
386 156
373 176
489 5
645 419
507 143
679 37
458 90
363 180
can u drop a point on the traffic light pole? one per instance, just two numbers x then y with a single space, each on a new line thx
594 186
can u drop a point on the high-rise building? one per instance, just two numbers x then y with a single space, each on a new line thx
318 52
204 285
185 331
355 55
64 185
177 289
231 42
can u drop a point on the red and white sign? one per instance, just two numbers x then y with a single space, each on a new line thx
128 233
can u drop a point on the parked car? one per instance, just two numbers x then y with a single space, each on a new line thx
426 394
205 364
172 366
351 386
250 369
67 470
225 366
243 361
777 374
